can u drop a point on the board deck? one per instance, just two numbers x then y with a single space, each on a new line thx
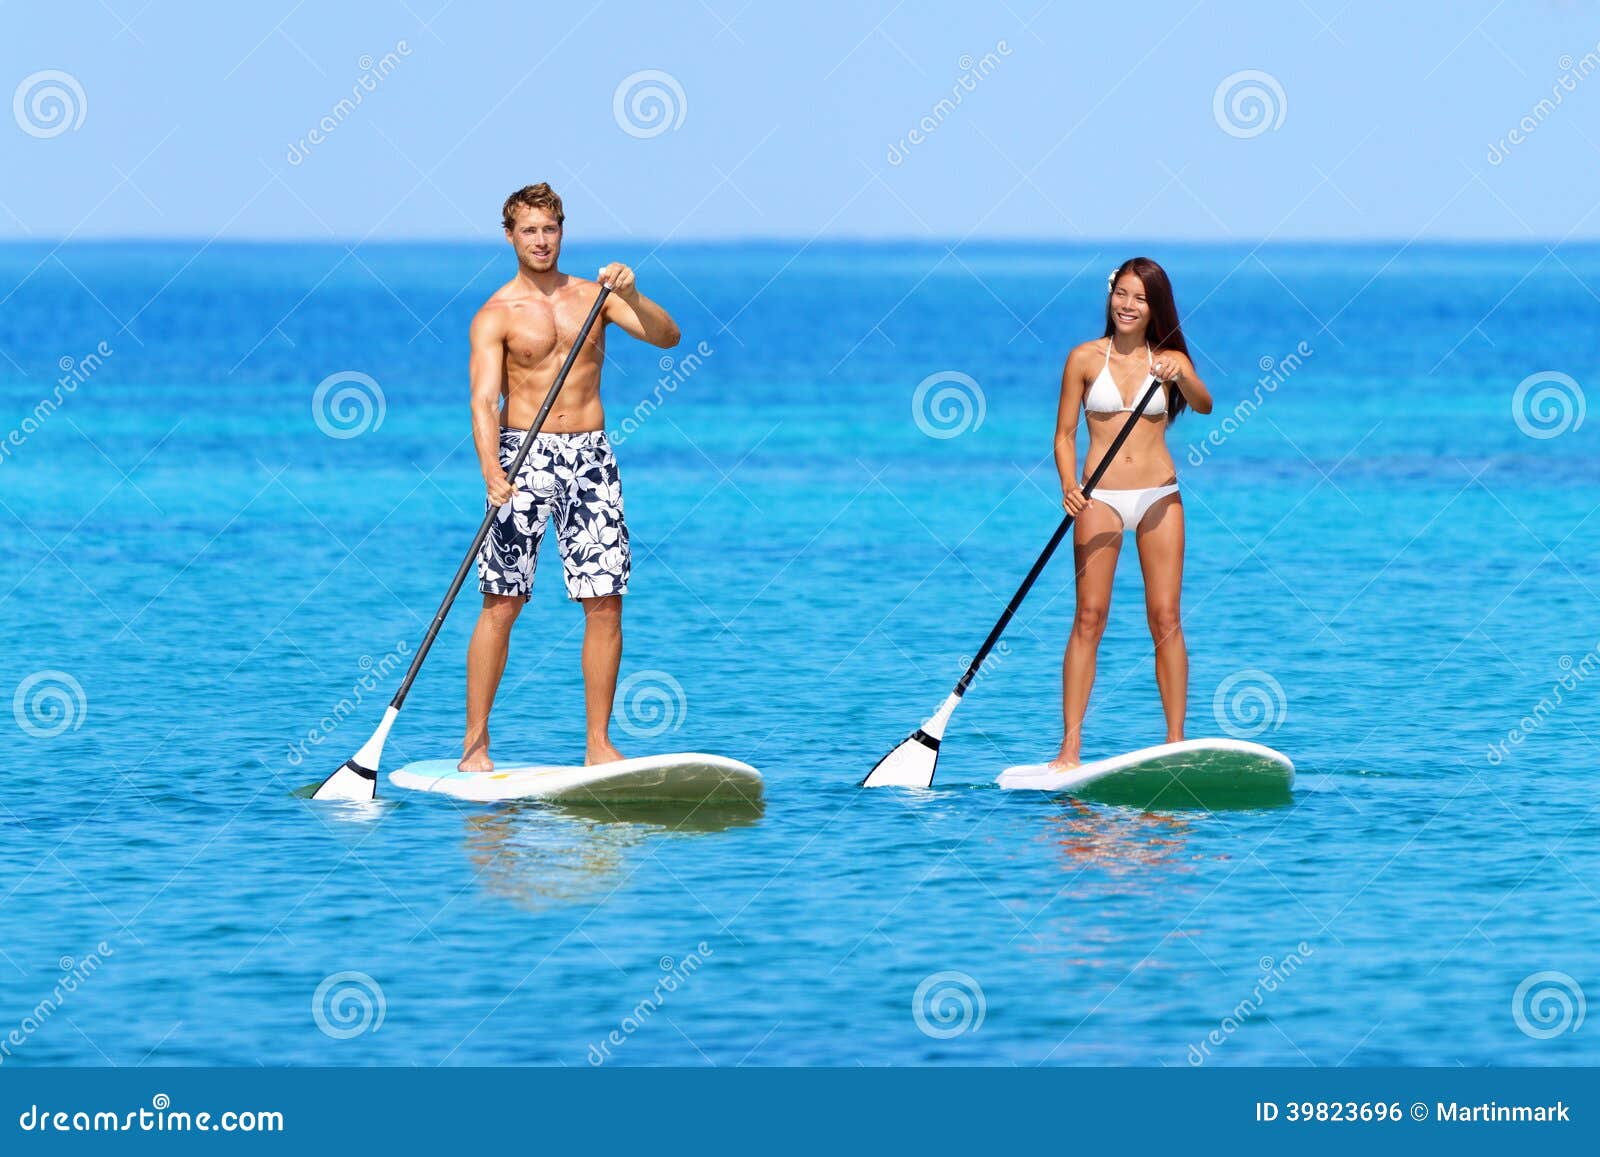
679 776
1194 773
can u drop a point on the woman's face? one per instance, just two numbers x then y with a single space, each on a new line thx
1130 312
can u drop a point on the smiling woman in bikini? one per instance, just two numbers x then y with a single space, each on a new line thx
1139 492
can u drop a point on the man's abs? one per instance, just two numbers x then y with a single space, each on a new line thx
577 407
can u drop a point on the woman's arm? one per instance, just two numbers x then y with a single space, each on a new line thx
1071 403
1176 368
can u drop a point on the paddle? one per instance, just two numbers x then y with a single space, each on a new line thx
357 779
911 764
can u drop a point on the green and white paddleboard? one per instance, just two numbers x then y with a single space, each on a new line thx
1194 773
677 777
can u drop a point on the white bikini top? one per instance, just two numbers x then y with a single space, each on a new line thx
1105 398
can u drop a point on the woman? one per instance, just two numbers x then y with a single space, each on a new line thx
1138 492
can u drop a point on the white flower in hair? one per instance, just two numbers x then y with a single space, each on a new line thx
1111 279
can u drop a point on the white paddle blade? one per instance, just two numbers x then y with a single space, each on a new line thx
909 765
358 779
349 783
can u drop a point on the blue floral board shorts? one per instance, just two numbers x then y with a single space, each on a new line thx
571 479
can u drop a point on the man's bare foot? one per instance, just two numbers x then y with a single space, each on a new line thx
476 760
1064 761
601 751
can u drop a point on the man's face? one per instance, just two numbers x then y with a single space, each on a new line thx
536 236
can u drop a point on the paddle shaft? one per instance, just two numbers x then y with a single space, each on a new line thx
488 519
1050 547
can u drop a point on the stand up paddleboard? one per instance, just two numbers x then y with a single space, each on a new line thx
1194 773
679 777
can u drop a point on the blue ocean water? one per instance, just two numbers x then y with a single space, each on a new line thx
207 592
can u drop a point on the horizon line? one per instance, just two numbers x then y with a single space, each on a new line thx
784 239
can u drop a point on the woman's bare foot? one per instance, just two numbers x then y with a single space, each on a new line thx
601 751
1066 759
476 759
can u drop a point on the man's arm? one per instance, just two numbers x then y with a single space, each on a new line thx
634 313
487 373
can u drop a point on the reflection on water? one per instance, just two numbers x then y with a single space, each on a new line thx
1116 843
541 855
346 811
1107 856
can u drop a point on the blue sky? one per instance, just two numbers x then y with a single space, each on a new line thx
795 120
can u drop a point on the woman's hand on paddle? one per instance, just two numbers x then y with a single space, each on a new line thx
500 489
1073 501
1166 370
619 277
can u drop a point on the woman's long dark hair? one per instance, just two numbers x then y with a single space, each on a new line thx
1163 331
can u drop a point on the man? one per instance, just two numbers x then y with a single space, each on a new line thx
519 339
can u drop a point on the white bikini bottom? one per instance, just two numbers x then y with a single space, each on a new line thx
1133 505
